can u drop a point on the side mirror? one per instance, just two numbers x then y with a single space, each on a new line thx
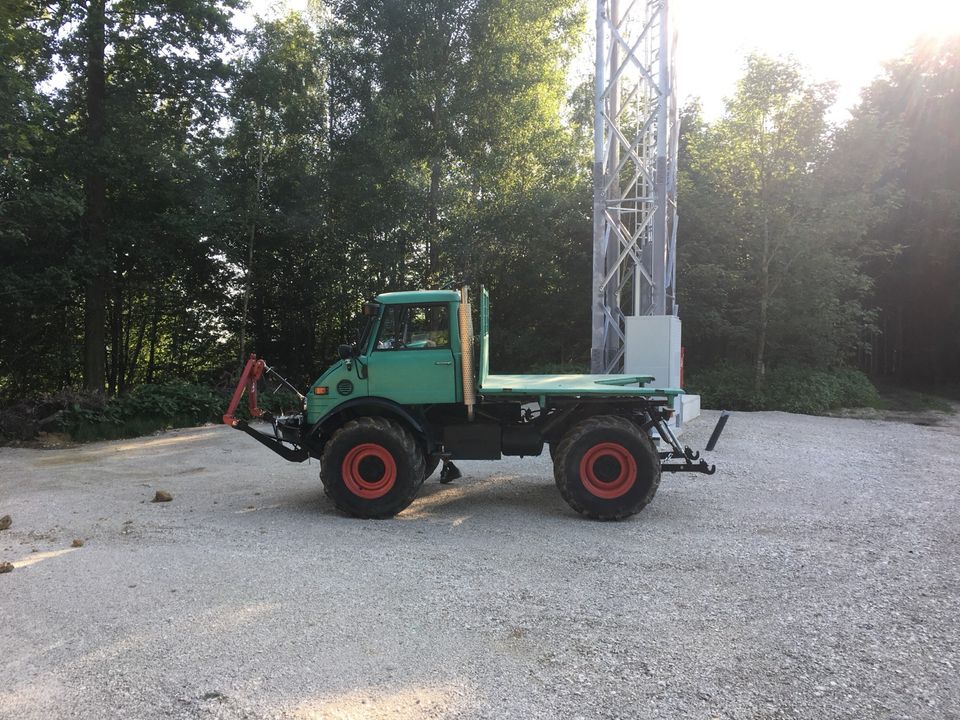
345 352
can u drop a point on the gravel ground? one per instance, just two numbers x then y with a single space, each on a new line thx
816 575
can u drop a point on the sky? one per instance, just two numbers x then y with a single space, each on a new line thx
846 41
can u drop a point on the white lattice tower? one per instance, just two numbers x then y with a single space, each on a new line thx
635 151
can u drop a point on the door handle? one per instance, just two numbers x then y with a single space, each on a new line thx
444 362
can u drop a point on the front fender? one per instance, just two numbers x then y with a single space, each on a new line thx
317 434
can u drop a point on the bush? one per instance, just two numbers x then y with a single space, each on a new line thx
854 389
146 409
149 408
791 389
725 386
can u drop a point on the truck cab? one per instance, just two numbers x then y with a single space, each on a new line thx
409 353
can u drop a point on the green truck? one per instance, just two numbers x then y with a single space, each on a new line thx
415 391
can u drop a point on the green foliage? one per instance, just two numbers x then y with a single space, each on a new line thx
150 408
562 368
917 102
146 409
788 388
773 239
259 187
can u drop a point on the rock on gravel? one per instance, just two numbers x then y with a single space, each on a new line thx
6 567
162 496
5 522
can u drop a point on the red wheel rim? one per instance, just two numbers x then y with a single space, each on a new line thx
369 482
596 475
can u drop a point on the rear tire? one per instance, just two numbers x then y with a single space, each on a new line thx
372 468
606 468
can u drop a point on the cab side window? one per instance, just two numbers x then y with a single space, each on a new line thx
414 327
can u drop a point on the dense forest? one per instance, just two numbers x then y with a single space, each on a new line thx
175 193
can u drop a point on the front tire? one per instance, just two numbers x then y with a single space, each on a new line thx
372 468
606 468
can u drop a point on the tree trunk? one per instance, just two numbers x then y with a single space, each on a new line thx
133 360
433 266
248 279
95 297
116 341
759 365
151 354
246 290
433 200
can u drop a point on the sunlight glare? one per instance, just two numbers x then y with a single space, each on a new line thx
845 41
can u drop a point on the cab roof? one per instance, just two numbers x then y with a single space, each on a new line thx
417 296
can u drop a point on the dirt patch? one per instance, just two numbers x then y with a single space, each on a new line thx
936 417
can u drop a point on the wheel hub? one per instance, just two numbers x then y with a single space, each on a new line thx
608 470
369 471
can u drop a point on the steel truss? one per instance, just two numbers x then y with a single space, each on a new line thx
635 173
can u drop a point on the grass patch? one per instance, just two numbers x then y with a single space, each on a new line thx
901 399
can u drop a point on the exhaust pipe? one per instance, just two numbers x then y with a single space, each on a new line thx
466 353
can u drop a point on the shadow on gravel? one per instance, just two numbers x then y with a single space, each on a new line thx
493 497
483 501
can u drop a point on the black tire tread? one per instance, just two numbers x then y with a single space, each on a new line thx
383 426
598 422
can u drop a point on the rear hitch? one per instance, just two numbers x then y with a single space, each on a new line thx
699 467
691 459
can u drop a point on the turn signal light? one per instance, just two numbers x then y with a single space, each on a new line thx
320 390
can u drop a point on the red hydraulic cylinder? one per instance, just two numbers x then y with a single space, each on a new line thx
252 372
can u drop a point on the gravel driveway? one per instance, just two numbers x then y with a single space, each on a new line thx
816 575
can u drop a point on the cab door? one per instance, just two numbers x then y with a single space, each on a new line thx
411 361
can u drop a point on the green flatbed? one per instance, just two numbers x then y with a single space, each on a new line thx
574 385
557 385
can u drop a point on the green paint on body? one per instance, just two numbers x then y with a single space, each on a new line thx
418 372
416 297
414 376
